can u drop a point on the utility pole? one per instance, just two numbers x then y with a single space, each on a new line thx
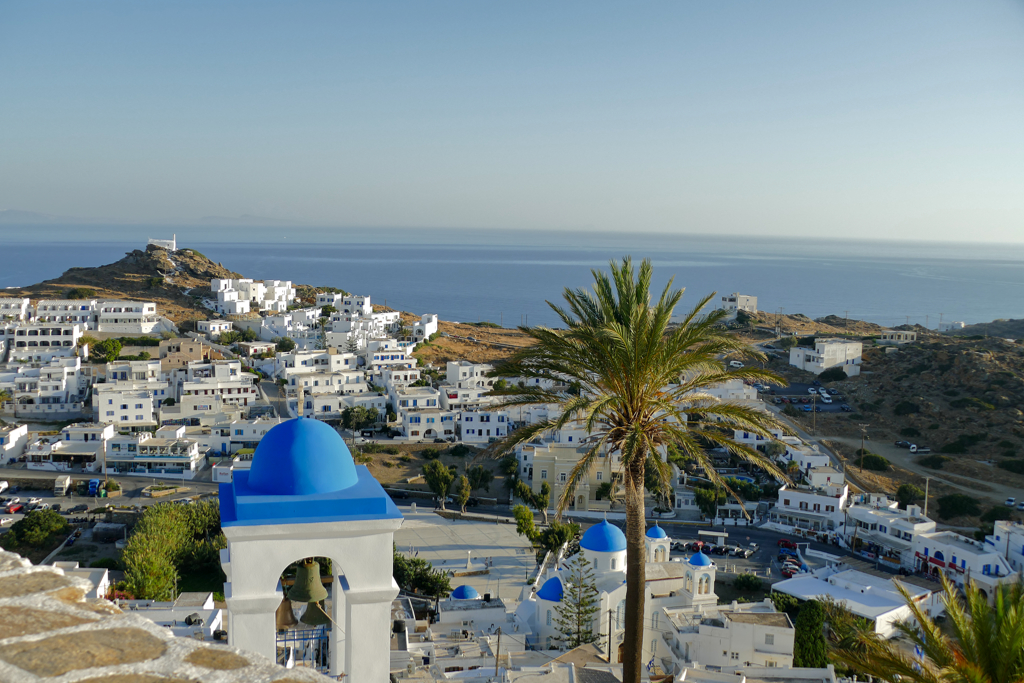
927 480
908 319
940 322
847 323
501 322
497 653
863 432
926 321
814 412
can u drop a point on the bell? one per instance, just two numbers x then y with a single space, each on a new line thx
315 615
308 587
285 616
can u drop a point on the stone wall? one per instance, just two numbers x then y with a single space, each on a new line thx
50 632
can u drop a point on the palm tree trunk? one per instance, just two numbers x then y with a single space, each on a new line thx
632 643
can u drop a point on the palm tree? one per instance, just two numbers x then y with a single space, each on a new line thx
985 643
637 386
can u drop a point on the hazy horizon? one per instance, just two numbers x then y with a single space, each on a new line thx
815 121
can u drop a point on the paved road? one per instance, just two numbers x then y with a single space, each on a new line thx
274 396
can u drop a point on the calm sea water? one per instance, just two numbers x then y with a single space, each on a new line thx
507 276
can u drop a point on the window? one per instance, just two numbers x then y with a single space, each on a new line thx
769 639
109 413
613 563
561 477
138 406
735 655
543 474
549 618
600 475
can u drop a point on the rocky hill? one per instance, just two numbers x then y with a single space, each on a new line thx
801 324
176 282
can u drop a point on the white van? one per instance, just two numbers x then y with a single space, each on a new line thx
3 486
735 364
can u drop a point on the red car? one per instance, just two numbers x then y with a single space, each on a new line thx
15 508
786 543
787 573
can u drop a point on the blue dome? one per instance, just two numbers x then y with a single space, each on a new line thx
301 457
699 559
656 532
604 538
465 593
551 590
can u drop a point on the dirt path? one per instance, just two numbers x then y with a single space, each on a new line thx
901 457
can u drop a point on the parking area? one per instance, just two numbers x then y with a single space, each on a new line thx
805 397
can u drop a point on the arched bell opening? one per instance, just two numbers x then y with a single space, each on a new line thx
304 619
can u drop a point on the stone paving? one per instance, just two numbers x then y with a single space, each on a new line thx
50 632
448 544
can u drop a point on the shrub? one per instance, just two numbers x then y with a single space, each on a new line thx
906 408
957 505
748 583
963 442
790 411
431 453
908 494
910 431
996 513
1015 466
405 458
835 374
874 462
37 529
1005 444
935 461
79 293
111 563
459 450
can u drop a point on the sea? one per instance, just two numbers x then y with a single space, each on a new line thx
508 276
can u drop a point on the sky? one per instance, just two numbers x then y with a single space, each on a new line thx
868 119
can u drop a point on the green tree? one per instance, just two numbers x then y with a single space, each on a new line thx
604 490
439 479
556 535
707 501
327 311
908 494
574 620
636 385
106 351
463 491
981 643
284 344
37 529
524 522
480 477
419 576
537 499
809 647
509 467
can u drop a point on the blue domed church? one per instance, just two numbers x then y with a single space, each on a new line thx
673 583
305 497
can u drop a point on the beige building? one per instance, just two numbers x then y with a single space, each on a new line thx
552 463
176 353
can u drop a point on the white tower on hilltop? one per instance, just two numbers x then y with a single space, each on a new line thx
169 245
305 497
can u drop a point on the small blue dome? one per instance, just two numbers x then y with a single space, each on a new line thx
551 590
604 538
465 593
656 532
699 559
301 457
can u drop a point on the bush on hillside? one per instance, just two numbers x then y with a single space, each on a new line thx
958 505
906 408
1015 466
996 513
748 583
963 443
874 462
37 529
835 374
935 462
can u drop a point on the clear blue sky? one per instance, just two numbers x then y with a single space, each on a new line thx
857 119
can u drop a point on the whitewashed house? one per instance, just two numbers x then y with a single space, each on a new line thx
963 559
827 354
426 326
79 311
12 441
14 309
483 426
130 317
739 302
728 637
879 530
1008 540
213 328
166 454
41 342
818 505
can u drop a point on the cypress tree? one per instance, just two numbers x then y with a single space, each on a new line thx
809 649
575 614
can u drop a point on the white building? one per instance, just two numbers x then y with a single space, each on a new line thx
134 370
14 309
819 505
41 342
213 328
728 637
80 311
871 596
330 406
426 326
130 317
739 302
963 559
828 353
211 386
1008 540
483 426
806 456
896 338
167 454
955 325
79 446
12 441
238 297
229 437
877 528
129 405
301 361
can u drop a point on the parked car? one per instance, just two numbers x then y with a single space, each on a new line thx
811 390
776 400
15 507
833 392
1011 501
826 399
807 409
920 450
769 346
35 501
805 400
816 383
786 543
903 444
787 573
70 541
55 507
720 550
1020 506
822 391
79 508
3 486
742 552
4 521
846 408
397 495
12 500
